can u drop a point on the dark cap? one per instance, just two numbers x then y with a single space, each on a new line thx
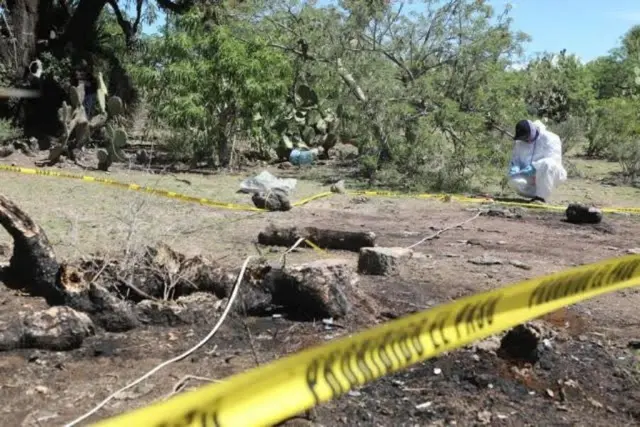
523 131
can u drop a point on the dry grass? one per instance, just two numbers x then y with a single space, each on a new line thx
82 217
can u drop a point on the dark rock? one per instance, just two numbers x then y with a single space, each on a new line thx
275 200
581 214
522 343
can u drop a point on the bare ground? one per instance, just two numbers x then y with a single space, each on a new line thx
589 376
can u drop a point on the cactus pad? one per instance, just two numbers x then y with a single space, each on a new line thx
115 107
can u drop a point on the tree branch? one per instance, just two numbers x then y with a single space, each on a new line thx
136 23
180 7
127 28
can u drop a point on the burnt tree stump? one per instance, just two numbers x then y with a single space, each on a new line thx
33 265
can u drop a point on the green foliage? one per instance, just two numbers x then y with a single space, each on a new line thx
614 122
210 86
558 86
7 131
305 123
425 97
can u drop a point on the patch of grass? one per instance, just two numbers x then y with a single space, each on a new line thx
81 217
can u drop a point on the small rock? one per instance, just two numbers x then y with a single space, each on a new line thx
581 214
485 260
285 165
595 403
484 417
381 261
488 345
520 264
633 251
338 187
634 344
275 200
358 200
58 328
550 393
42 389
437 371
423 406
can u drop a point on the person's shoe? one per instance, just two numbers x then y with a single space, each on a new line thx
538 200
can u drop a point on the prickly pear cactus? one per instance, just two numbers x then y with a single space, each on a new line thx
307 125
115 107
115 137
74 120
116 141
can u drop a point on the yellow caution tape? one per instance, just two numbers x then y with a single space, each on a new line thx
274 392
246 207
482 200
150 190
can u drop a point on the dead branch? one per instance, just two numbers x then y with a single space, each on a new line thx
202 342
439 232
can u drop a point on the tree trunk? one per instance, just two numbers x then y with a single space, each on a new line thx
82 25
329 239
33 265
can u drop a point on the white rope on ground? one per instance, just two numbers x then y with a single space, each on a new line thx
232 297
439 232
291 249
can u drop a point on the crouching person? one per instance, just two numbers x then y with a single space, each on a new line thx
536 170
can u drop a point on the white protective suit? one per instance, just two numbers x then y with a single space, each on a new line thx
545 154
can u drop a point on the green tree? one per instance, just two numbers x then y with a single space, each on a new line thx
559 86
209 85
411 88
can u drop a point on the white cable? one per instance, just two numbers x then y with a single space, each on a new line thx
234 294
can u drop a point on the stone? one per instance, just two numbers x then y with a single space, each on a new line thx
381 261
520 264
275 200
339 187
578 213
485 260
58 328
315 290
488 345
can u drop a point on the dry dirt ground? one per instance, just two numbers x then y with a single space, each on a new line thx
588 375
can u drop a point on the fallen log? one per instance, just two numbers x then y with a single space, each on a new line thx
327 239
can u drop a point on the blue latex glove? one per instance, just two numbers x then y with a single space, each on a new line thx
514 170
528 171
